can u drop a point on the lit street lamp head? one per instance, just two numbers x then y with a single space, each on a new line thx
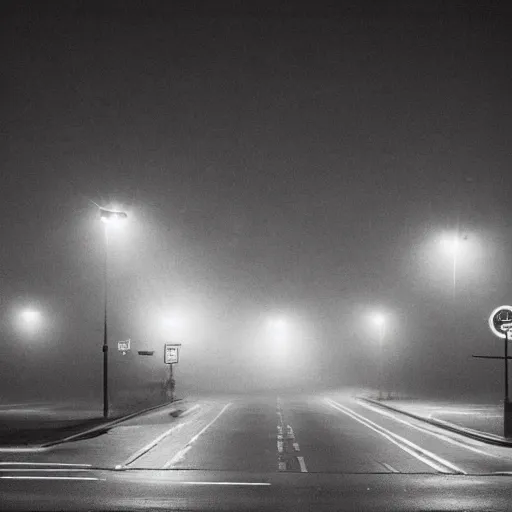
30 316
450 244
112 216
29 321
379 319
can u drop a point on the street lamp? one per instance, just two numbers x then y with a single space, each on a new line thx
379 320
29 321
451 245
278 334
30 317
109 218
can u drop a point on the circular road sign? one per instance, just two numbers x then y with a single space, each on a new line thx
500 321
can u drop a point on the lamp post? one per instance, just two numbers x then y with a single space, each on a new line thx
108 217
452 246
380 320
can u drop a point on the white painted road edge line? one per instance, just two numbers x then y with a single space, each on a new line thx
188 411
24 449
302 465
179 456
222 483
45 470
149 446
428 458
44 464
426 431
389 467
187 447
51 478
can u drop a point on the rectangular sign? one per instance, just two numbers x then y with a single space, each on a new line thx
123 346
171 353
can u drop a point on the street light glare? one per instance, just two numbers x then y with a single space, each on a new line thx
450 243
112 216
379 319
278 323
30 315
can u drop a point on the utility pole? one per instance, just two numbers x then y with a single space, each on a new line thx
105 334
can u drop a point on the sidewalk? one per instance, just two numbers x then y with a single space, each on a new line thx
30 424
479 421
35 423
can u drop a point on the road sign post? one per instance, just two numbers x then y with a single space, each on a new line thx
500 323
171 357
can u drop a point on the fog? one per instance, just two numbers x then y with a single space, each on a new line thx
284 181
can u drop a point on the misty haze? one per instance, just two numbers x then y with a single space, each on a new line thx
265 238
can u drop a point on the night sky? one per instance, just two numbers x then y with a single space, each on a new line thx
290 159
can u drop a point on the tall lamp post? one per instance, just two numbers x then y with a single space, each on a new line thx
108 217
452 246
380 320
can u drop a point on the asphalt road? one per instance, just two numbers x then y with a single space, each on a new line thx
237 453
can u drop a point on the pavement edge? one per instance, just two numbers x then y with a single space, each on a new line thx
473 434
106 425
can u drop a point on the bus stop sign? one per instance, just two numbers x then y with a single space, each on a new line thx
171 353
500 322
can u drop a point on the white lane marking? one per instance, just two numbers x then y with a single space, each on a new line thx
296 447
389 467
425 456
51 478
182 452
222 483
426 431
302 465
179 455
35 449
149 446
44 464
46 470
188 411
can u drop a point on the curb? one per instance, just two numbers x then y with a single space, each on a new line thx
106 425
473 434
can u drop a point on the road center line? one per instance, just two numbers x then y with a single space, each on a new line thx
182 452
429 458
302 465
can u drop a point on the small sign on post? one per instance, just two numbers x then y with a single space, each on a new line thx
171 357
171 353
124 346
